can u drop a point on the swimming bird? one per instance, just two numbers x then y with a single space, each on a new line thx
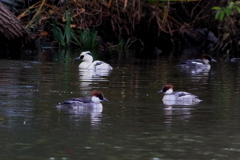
88 62
197 63
177 96
235 60
93 101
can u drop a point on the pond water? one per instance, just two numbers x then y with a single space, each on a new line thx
134 124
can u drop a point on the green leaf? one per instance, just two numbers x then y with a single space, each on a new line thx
238 9
236 3
75 38
219 15
68 30
88 38
216 8
58 35
57 32
231 5
228 11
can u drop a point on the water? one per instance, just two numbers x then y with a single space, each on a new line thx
134 124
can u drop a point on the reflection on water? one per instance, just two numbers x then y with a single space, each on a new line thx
88 77
134 124
94 113
182 113
197 75
180 102
194 71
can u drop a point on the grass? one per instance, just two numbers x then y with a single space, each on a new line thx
88 39
63 37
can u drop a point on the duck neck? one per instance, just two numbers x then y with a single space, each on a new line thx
88 59
95 99
169 91
206 61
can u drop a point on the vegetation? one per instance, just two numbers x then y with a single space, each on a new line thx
128 22
228 26
88 39
225 12
63 39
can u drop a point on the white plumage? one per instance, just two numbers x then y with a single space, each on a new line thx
179 96
88 63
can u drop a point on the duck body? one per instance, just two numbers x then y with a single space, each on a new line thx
88 63
197 64
235 60
194 64
179 96
84 102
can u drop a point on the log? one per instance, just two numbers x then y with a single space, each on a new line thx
13 36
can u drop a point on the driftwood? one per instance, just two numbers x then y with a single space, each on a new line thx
13 36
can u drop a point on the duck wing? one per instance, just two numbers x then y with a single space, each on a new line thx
101 65
184 94
193 61
77 100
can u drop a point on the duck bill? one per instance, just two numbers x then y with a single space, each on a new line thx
78 58
213 60
104 99
160 91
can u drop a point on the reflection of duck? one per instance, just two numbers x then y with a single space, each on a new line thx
179 102
85 74
95 113
171 110
88 62
179 113
178 97
195 66
88 77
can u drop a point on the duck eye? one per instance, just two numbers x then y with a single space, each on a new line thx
164 89
101 97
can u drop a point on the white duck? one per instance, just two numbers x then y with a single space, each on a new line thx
88 62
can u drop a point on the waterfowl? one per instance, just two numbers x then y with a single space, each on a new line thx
93 101
169 95
88 63
197 63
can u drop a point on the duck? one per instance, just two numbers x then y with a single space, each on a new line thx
86 102
202 64
177 96
235 60
88 62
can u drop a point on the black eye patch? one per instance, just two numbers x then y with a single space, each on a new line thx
100 96
81 57
89 53
207 57
165 89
